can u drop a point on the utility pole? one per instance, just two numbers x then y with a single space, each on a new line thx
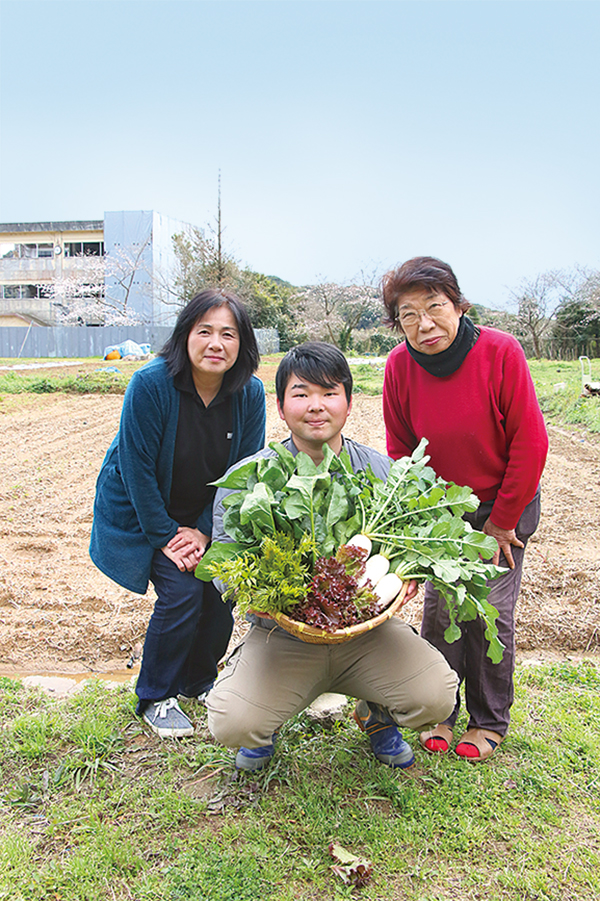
220 266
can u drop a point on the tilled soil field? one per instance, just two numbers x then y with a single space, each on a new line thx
59 614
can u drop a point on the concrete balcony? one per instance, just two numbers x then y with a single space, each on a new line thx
27 271
40 309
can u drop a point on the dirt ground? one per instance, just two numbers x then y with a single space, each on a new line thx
59 614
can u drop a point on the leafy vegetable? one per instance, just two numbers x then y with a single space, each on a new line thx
353 870
291 495
280 578
334 598
414 519
274 580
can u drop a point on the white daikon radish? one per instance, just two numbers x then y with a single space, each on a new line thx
387 589
362 541
375 569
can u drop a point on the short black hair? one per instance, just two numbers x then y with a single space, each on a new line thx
175 350
317 362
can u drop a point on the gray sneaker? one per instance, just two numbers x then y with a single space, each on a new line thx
167 719
203 695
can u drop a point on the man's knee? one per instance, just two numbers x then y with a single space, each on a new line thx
441 697
434 697
225 730
226 722
236 722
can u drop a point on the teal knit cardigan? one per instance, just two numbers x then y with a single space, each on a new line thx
134 484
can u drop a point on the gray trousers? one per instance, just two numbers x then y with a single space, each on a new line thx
489 690
271 676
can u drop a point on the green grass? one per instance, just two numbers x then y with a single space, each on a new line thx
558 384
368 377
90 376
94 807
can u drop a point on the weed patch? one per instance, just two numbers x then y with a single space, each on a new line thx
558 384
558 387
95 807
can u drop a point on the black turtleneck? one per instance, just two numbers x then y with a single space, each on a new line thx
449 360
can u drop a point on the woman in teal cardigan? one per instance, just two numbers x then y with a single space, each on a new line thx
187 416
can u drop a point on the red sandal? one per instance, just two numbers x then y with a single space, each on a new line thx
477 745
437 740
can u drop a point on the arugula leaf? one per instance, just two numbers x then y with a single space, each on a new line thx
256 510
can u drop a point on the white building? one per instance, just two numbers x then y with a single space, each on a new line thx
120 269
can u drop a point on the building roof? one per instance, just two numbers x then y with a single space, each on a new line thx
79 225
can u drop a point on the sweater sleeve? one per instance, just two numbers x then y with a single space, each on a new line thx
400 440
141 433
526 439
254 428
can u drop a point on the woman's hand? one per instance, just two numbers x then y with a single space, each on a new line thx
505 538
411 591
186 548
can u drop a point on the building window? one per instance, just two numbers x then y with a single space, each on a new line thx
84 248
35 251
91 292
8 251
25 251
19 292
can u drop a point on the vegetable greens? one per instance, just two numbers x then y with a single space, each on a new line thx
414 518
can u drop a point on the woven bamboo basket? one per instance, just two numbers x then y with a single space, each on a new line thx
319 636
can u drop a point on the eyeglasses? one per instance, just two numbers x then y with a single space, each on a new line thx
411 318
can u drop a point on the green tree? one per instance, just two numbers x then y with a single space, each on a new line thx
577 324
202 263
268 300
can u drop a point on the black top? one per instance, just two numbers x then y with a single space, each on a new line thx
451 359
202 446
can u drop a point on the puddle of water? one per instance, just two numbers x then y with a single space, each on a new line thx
61 685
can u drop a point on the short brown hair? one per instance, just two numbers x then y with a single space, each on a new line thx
425 273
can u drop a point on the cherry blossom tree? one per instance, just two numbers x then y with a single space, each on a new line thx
97 290
331 312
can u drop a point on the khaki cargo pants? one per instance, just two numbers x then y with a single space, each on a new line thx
271 676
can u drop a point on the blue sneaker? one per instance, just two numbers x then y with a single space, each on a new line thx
385 737
252 759
167 719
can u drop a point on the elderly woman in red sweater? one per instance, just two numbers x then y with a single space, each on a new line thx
468 390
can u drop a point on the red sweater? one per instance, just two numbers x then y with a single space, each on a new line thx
483 423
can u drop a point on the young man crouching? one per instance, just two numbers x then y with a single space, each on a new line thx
398 677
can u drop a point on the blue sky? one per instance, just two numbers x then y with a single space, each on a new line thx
350 135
